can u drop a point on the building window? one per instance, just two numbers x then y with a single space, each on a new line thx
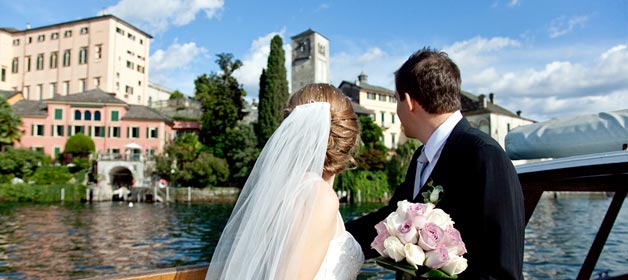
16 42
152 133
54 36
84 30
140 69
98 51
82 85
3 74
383 117
117 85
38 149
83 55
66 87
97 82
393 140
40 91
15 65
67 33
26 91
114 116
131 36
27 63
53 89
40 61
77 115
57 152
128 90
99 131
508 127
129 64
58 114
29 40
119 30
38 130
392 117
115 131
141 42
41 38
79 129
382 97
97 115
370 95
87 115
392 99
66 58
135 132
59 130
54 60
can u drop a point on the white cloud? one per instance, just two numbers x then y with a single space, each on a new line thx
563 25
157 15
256 59
557 87
513 3
174 66
323 6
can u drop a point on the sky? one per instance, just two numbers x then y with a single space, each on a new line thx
549 59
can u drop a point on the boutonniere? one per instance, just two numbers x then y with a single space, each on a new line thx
433 194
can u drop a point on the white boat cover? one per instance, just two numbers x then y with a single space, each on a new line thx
571 136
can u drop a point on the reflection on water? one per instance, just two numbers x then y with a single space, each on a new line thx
73 241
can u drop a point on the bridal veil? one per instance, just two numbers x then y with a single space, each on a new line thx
261 239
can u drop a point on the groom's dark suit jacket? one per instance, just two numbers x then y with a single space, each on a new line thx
483 196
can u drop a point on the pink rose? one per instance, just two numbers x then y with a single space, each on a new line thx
378 243
407 232
418 212
430 236
381 228
437 258
453 242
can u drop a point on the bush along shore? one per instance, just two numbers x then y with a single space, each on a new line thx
42 193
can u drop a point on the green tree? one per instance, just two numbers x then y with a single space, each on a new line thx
10 125
45 175
242 153
372 153
273 94
79 145
221 100
176 95
20 163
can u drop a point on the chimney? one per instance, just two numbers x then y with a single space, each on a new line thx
482 100
519 113
362 78
491 98
28 26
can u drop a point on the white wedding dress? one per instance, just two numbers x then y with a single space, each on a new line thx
344 256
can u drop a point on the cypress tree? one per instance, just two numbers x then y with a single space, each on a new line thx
273 92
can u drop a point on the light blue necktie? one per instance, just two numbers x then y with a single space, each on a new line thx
421 163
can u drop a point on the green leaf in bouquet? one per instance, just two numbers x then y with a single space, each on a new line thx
420 272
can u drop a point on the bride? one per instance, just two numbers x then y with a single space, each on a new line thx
286 224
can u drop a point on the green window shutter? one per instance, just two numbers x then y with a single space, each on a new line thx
32 130
52 130
157 133
61 131
57 152
128 132
114 116
69 130
89 131
147 133
109 131
58 114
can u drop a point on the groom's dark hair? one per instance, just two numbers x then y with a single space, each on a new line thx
431 78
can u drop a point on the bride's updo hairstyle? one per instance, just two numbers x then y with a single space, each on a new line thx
343 135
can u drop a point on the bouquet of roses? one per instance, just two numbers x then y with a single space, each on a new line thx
423 236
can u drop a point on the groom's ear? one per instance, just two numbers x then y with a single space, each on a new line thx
411 103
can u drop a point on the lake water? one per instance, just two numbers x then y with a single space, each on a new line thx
77 240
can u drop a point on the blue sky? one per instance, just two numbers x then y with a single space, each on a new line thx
546 58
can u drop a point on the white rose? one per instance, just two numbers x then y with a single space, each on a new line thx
434 195
455 265
414 254
402 208
394 248
392 223
440 218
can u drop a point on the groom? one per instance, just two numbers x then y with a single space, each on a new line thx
482 193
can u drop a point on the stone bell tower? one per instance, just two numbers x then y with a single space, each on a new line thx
310 59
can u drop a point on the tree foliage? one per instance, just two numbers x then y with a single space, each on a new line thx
79 145
176 95
20 163
242 153
50 174
372 153
10 124
222 104
273 92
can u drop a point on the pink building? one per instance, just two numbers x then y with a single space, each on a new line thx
117 128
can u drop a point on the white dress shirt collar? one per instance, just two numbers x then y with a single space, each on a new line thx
437 140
